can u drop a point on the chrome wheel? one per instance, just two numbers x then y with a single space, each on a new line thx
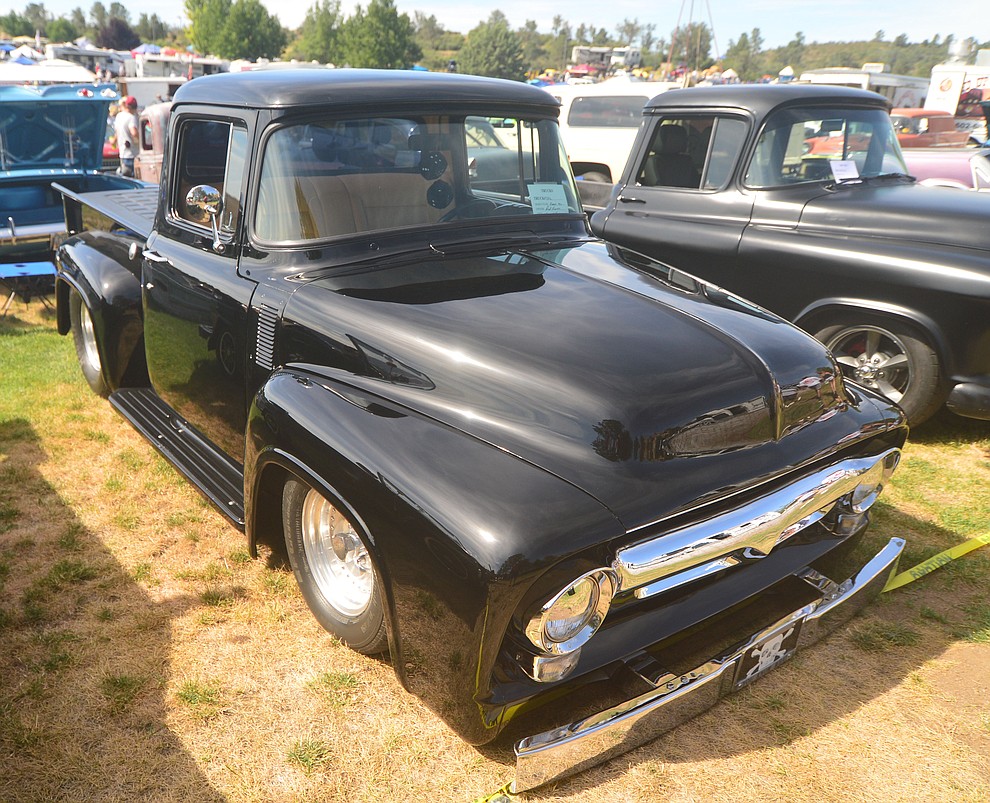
87 348
90 352
334 568
873 357
339 561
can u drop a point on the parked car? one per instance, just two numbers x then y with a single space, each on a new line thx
598 123
928 128
955 168
798 198
522 465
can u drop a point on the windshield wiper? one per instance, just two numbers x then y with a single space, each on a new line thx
865 180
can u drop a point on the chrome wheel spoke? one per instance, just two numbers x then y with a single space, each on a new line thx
895 361
889 390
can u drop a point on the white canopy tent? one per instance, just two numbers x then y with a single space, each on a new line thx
50 71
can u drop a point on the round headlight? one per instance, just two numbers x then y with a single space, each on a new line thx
572 616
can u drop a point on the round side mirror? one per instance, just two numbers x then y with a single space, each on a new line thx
204 203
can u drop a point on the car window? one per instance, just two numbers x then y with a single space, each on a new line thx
212 153
727 142
798 145
607 111
333 177
677 152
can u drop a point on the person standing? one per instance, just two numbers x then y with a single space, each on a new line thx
125 126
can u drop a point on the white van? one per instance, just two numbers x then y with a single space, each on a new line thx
598 123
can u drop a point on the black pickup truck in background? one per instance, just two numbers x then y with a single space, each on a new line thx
798 198
375 331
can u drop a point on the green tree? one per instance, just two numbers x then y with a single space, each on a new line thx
61 30
152 28
628 31
15 24
117 35
691 45
745 56
206 23
319 35
119 11
380 37
532 45
78 19
493 49
37 15
250 32
98 15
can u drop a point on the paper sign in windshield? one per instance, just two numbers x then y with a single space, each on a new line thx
844 169
548 199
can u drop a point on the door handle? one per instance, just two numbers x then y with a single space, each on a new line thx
153 256
628 199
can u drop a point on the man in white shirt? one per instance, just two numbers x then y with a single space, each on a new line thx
125 126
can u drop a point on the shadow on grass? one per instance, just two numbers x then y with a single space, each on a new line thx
68 732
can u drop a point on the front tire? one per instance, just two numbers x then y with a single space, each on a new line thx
333 568
892 358
87 348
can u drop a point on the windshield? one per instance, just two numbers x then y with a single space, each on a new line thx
815 144
332 177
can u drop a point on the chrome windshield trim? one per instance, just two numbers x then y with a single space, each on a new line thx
750 531
574 747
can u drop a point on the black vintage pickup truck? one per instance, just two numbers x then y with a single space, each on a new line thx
798 198
384 343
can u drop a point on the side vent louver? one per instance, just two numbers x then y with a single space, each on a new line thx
264 352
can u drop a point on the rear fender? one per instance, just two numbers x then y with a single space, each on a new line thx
100 267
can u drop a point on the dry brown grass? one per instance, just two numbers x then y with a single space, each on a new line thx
143 656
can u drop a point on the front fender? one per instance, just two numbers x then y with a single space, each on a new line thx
819 313
463 534
98 266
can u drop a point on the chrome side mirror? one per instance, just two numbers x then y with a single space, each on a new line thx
204 203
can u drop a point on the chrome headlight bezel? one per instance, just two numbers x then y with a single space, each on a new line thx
603 585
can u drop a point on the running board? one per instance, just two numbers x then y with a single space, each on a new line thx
215 475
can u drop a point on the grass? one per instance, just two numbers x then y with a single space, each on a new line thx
145 656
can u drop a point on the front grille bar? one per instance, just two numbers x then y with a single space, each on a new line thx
747 532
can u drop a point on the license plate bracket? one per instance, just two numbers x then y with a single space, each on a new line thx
769 652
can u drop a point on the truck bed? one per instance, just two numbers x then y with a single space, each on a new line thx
134 210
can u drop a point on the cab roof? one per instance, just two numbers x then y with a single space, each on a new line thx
761 99
294 88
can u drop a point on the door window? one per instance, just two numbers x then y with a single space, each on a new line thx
212 154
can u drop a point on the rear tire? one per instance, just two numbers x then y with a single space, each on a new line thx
87 348
333 568
891 357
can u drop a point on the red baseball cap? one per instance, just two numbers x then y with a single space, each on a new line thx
130 101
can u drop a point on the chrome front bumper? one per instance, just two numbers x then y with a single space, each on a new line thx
569 749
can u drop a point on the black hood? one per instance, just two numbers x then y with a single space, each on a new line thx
619 390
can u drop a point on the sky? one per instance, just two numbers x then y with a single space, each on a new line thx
778 20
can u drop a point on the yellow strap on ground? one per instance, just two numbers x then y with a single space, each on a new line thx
503 795
936 562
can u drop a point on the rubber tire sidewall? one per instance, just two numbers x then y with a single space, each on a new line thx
364 633
928 389
94 377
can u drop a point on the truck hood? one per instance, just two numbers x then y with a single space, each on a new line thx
902 212
52 129
614 380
